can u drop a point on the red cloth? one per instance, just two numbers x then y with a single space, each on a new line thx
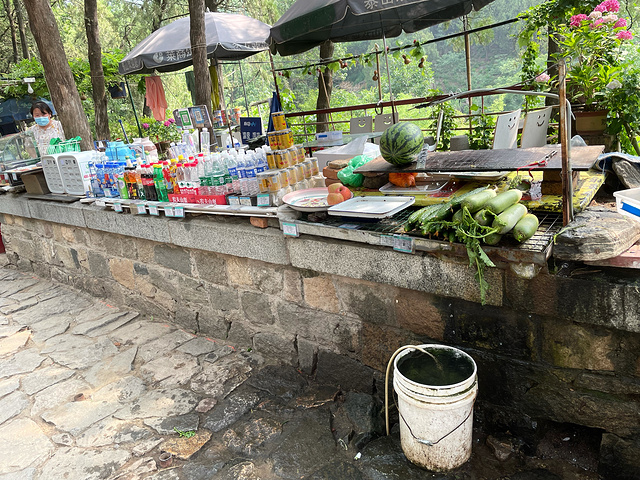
155 97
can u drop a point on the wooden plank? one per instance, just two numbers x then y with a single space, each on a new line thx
628 259
582 158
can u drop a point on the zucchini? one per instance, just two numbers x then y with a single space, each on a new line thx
526 227
508 219
477 201
501 202
484 217
492 238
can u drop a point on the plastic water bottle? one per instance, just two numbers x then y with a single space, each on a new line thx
242 174
205 141
232 168
252 179
217 173
261 161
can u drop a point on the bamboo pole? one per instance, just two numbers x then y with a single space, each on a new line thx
467 52
567 177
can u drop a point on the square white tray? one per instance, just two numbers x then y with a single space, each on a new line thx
371 206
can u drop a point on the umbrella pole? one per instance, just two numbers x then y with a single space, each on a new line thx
135 114
386 58
275 79
246 102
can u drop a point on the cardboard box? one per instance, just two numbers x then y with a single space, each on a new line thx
35 183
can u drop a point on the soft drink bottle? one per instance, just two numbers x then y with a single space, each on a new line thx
149 186
159 182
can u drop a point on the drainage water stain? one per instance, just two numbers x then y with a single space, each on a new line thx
450 368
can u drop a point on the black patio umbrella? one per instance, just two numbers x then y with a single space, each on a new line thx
308 23
229 36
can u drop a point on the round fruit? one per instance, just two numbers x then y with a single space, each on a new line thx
401 143
334 198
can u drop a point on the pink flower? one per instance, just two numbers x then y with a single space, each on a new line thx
172 121
611 5
620 23
595 14
597 23
543 78
576 20
600 8
145 126
167 123
610 18
624 35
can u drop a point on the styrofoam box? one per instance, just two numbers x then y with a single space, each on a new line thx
337 153
628 202
52 172
74 169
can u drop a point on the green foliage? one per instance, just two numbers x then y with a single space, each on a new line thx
187 434
481 137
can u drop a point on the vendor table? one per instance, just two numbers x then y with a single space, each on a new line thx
582 158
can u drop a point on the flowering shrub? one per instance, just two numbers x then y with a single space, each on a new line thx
593 45
159 131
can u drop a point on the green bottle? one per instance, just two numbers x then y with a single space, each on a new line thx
158 181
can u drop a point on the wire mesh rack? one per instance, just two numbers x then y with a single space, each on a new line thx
67 146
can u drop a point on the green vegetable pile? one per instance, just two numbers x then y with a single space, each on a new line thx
479 215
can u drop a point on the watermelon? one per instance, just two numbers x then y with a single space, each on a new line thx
401 143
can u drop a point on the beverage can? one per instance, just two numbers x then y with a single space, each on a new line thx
306 166
315 169
274 182
291 176
299 172
273 140
280 159
263 182
284 178
271 160
293 156
279 122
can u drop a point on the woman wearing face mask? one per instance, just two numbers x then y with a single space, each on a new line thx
46 127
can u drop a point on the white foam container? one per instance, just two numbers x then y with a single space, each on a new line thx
628 202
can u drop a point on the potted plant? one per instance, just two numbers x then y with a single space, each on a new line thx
594 47
161 133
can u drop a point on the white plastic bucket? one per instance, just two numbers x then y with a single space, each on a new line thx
436 422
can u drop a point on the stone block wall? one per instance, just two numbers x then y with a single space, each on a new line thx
562 348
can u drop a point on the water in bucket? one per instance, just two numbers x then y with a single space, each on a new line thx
436 392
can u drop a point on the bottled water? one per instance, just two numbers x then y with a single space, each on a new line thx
232 183
205 141
242 174
250 170
217 172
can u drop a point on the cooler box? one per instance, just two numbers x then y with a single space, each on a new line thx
628 202
52 172
75 172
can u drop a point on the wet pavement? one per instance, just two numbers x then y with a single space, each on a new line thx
89 391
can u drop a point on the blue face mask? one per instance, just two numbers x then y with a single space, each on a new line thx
42 121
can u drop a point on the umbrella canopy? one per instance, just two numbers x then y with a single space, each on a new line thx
229 37
308 23
16 109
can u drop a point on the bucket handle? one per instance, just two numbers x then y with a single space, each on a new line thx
429 442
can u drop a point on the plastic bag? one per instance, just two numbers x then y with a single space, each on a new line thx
346 175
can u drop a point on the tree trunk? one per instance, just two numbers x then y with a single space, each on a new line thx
95 65
160 8
199 53
325 86
12 27
212 5
57 72
21 29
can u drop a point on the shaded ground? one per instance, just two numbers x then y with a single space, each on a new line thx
88 391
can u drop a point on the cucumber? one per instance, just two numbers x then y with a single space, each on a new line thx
526 227
492 239
484 217
477 201
501 202
457 217
414 218
508 219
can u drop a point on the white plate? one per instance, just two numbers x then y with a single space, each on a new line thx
371 206
300 200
